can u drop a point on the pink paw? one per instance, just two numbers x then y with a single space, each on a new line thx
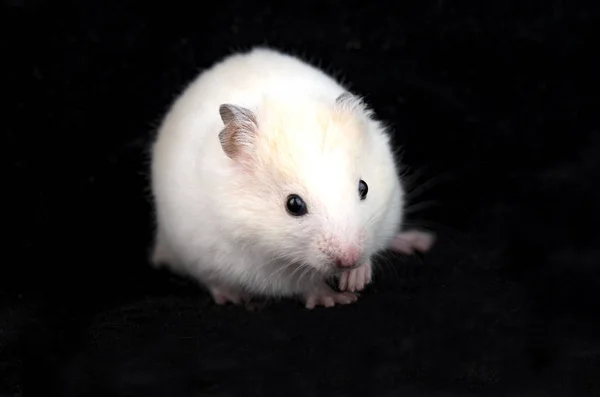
412 240
356 279
222 296
325 296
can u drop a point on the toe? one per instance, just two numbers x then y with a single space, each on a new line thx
343 283
346 298
360 278
352 280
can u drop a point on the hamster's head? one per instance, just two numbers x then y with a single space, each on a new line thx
315 183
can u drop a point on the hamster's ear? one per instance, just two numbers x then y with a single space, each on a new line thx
350 103
241 127
345 98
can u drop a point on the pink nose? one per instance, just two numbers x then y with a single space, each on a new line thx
348 258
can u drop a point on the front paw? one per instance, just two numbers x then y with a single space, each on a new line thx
356 279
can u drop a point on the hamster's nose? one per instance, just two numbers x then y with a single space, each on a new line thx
349 258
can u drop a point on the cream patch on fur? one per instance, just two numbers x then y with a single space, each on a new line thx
299 140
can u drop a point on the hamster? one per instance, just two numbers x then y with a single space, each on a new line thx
269 179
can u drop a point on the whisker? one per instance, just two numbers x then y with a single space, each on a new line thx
446 231
430 183
291 256
409 177
420 206
281 269
389 265
375 217
301 265
307 271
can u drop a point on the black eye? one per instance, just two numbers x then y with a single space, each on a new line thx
363 189
295 205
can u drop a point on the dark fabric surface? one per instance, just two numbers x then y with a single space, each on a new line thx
496 106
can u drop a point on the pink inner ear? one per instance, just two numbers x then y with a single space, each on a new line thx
412 240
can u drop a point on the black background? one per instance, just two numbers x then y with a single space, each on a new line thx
495 104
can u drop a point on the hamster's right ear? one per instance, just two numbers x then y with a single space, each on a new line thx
239 134
348 103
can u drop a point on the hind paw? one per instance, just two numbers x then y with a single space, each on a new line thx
412 240
222 296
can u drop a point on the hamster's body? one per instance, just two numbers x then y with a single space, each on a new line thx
258 175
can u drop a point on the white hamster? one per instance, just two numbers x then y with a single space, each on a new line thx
269 178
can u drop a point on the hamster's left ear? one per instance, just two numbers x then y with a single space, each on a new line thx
241 128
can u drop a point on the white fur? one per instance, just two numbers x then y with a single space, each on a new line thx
225 226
